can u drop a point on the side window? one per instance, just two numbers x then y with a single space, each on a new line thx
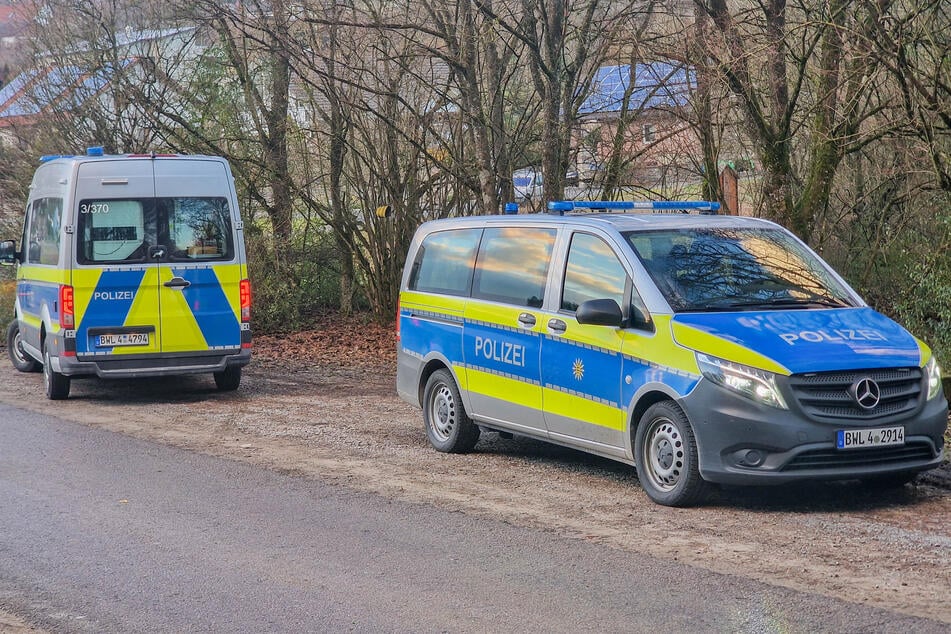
593 271
512 265
444 262
43 238
199 229
28 251
112 231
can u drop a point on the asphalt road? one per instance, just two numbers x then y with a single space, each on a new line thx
103 533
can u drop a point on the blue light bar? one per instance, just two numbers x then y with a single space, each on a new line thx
96 150
653 205
511 208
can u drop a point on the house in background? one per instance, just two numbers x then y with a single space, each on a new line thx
658 148
15 20
54 87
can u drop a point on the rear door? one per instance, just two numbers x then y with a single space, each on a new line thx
114 278
199 274
503 325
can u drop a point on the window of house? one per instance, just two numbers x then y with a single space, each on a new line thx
648 132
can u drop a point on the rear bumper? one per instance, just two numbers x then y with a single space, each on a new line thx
137 366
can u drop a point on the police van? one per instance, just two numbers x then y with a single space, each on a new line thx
700 348
130 266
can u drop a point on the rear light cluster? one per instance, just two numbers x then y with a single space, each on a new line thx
67 308
245 294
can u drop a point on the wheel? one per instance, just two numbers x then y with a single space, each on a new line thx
448 427
229 380
21 360
56 384
666 456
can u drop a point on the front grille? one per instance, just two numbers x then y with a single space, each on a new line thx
878 456
826 394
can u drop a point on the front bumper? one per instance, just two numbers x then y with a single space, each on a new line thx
742 442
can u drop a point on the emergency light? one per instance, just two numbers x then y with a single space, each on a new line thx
561 206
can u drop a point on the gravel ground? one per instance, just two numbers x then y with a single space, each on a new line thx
335 415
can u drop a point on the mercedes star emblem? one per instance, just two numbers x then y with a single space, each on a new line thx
866 393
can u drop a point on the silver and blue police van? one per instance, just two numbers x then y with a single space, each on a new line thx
702 349
130 266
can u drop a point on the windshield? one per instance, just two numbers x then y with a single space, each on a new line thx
736 269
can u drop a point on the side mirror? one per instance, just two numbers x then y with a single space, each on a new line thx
600 312
8 252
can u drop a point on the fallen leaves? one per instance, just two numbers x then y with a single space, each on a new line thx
356 340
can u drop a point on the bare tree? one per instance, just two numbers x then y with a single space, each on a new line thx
771 55
912 40
565 42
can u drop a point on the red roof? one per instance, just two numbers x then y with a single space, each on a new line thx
15 17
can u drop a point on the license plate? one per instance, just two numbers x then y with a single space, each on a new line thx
864 438
123 339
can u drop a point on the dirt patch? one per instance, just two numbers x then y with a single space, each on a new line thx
323 404
10 624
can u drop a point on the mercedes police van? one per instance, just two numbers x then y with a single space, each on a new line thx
699 348
130 266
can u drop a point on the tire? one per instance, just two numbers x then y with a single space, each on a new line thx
448 427
666 455
56 384
229 380
21 360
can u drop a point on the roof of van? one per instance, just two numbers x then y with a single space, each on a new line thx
621 222
90 158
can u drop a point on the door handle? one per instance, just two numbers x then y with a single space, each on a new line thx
526 319
178 282
557 325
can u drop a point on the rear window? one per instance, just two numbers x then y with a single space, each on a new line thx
444 262
171 229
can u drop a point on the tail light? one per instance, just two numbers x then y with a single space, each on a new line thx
67 308
397 319
245 294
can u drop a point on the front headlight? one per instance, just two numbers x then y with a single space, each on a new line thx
934 378
754 384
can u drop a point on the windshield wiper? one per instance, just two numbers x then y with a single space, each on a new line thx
790 302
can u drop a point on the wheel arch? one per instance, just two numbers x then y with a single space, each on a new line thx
643 400
429 366
432 364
